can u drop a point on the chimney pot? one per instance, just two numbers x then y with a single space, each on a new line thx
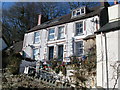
104 3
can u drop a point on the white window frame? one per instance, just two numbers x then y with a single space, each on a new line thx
36 37
78 34
81 11
76 48
49 34
76 11
36 56
61 32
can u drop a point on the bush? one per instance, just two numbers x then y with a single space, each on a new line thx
12 63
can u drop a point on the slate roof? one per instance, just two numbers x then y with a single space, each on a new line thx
67 18
17 47
109 27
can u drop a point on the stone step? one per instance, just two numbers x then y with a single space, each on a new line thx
50 79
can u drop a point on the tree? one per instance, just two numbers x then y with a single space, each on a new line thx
22 16
74 5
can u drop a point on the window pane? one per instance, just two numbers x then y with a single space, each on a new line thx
80 24
82 10
51 31
36 37
79 48
61 29
51 52
35 51
77 31
79 44
60 52
79 28
80 51
51 37
77 25
37 40
78 12
37 34
62 35
60 32
35 54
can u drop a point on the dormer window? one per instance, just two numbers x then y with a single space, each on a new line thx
78 12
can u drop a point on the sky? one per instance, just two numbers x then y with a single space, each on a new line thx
7 4
10 3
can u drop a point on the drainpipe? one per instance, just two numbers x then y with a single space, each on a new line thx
102 57
73 45
106 61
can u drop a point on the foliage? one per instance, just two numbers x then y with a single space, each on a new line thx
57 66
64 72
83 66
62 69
12 62
23 16
53 64
57 70
74 59
74 5
4 59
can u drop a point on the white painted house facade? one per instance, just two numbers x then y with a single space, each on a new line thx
41 41
108 50
63 37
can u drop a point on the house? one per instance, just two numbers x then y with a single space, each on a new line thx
108 50
64 36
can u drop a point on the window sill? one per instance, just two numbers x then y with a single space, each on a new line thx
79 34
51 39
36 43
60 38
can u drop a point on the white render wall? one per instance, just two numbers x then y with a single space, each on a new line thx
112 52
89 29
114 13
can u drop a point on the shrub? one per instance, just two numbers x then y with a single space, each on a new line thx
13 63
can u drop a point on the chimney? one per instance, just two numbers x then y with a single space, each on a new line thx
39 19
114 14
115 1
104 3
